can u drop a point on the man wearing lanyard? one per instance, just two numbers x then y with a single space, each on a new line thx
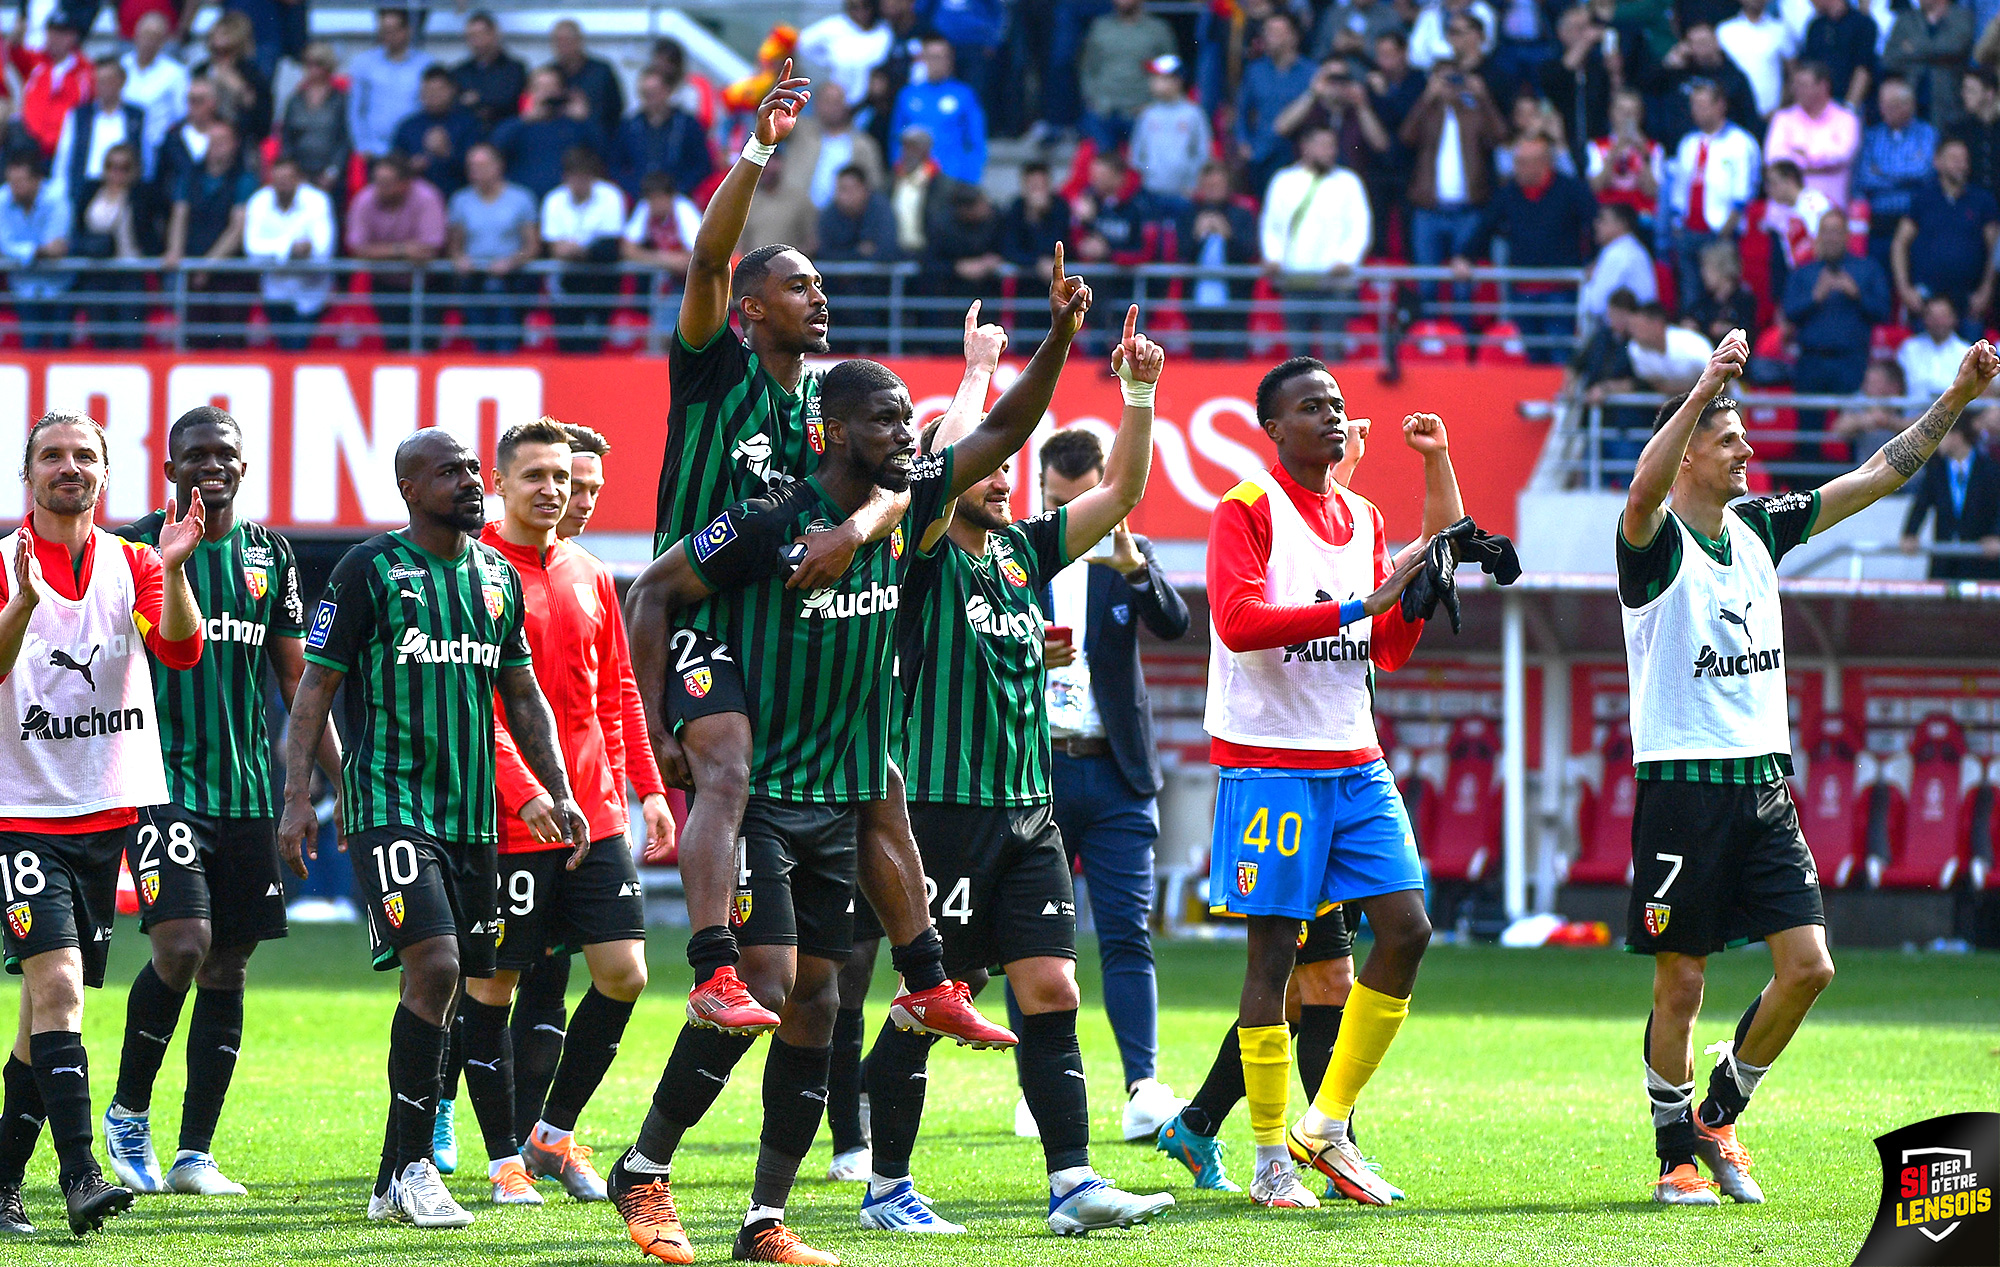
1106 769
1961 485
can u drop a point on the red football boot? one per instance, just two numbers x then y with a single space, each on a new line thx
723 1002
946 1011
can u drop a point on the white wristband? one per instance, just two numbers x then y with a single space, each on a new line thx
1136 393
755 151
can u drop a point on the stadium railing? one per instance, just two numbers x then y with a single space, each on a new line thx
1365 315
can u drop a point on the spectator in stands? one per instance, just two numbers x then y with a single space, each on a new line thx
1120 47
207 224
1270 83
93 128
661 230
1931 356
1945 243
1760 44
583 222
1393 91
967 250
1579 84
1531 117
490 80
492 229
1430 35
187 141
975 30
288 222
554 122
1452 181
34 233
661 137
905 63
693 94
1315 233
592 76
842 48
398 218
1928 46
1722 302
117 217
1960 485
1625 165
825 143
1036 222
1834 304
437 136
1716 171
858 224
1791 217
1338 102
1621 264
782 212
1350 28
313 129
1978 128
1544 218
277 28
948 111
384 84
1114 220
1816 132
154 82
1170 138
1219 230
1895 161
1842 39
54 82
1867 427
1601 367
920 193
1666 358
242 91
1696 61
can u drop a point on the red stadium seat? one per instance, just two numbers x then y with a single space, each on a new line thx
1604 819
1501 344
1833 812
1930 849
1463 842
1434 340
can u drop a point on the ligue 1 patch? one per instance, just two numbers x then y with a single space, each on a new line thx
719 533
322 624
896 542
1937 1205
1122 613
149 887
1014 572
258 580
392 906
699 682
19 920
741 914
496 599
1246 877
1657 915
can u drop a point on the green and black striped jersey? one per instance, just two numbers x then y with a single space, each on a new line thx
969 641
732 433
422 640
816 666
213 735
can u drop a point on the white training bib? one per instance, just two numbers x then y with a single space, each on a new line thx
1313 695
1706 657
77 728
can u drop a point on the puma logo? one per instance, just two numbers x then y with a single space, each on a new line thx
1741 622
75 1069
723 1079
61 659
228 1051
162 1041
557 1030
1074 1073
418 1105
493 1065
809 1094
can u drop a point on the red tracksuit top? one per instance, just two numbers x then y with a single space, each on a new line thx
576 635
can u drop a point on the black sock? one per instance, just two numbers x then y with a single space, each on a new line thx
62 1074
489 1075
1319 1026
1726 1101
416 1061
695 1074
152 1011
843 1081
1052 1081
22 1124
537 1030
452 1057
794 1102
1673 1138
1220 1091
897 1079
215 1035
710 949
921 962
594 1034
387 1170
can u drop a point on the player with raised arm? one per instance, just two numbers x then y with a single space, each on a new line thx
817 665
975 758
745 417
424 625
1304 601
211 885
1718 857
80 759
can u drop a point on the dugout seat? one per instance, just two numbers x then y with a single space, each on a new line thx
1930 847
1604 814
1463 840
1435 341
1985 831
1833 812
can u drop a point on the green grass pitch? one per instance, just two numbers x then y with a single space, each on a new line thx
1511 1109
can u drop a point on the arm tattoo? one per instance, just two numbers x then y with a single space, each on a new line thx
534 729
1908 452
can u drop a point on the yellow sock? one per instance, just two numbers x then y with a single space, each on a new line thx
1367 1027
1267 1071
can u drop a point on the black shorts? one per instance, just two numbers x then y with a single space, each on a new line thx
703 678
544 907
1716 865
416 888
60 890
795 885
867 924
1327 938
223 870
998 882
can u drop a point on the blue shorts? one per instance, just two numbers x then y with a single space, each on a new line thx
1295 842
